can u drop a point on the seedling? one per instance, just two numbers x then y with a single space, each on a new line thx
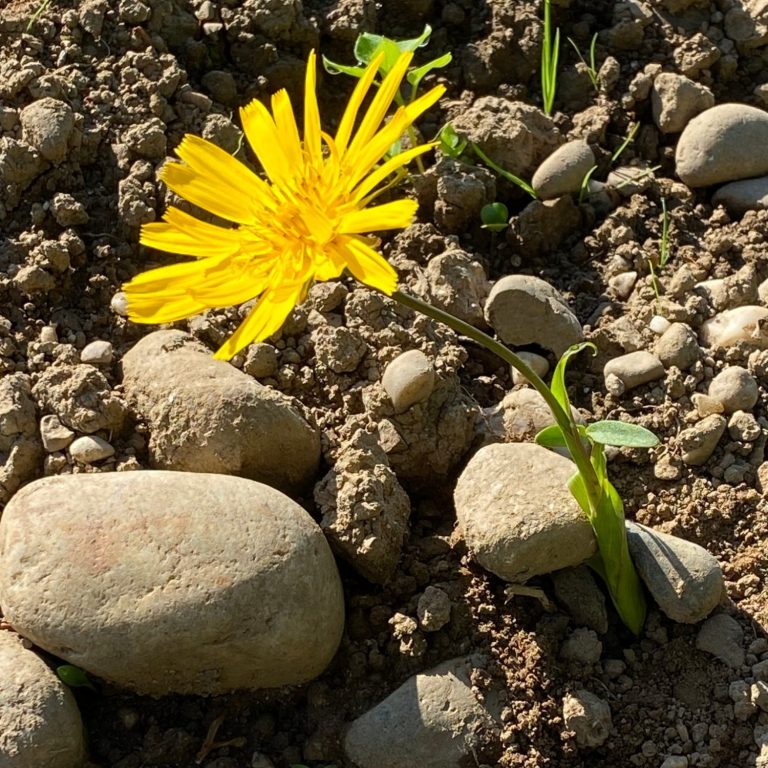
74 677
663 251
368 46
550 53
495 217
39 11
592 64
584 187
628 139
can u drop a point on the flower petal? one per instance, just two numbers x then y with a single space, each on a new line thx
395 215
285 123
189 236
369 267
373 179
312 130
265 141
355 101
381 103
266 318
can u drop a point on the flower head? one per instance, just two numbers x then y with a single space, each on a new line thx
305 222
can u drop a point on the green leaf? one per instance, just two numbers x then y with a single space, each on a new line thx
73 676
332 68
558 377
415 76
551 437
495 216
415 42
579 492
368 46
622 434
451 144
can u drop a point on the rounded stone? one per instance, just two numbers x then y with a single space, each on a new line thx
527 310
40 725
409 379
518 517
738 197
683 578
89 449
634 369
720 144
433 720
171 582
206 416
564 170
98 352
675 99
736 388
677 346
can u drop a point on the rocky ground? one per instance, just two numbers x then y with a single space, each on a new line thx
482 643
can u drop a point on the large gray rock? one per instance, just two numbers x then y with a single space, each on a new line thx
517 514
40 724
206 416
527 310
170 582
433 720
683 578
720 144
564 170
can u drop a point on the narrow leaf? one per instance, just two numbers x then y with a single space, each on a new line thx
579 492
558 377
621 433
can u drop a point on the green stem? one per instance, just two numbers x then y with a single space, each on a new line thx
579 452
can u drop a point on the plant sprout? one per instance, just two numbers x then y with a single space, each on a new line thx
550 53
663 252
592 65
495 217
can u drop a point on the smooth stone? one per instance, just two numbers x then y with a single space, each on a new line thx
722 636
744 427
520 416
622 285
171 582
736 388
538 364
738 197
97 353
89 449
677 346
206 416
634 369
719 145
659 324
55 436
698 443
433 720
409 379
527 310
577 590
40 725
675 99
683 578
518 517
588 717
564 170
748 323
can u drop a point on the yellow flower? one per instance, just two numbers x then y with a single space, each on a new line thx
305 222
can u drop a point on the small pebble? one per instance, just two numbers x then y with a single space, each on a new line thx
539 364
90 448
434 609
97 353
582 647
588 716
744 427
677 346
55 436
698 442
735 387
634 369
722 636
409 379
747 323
